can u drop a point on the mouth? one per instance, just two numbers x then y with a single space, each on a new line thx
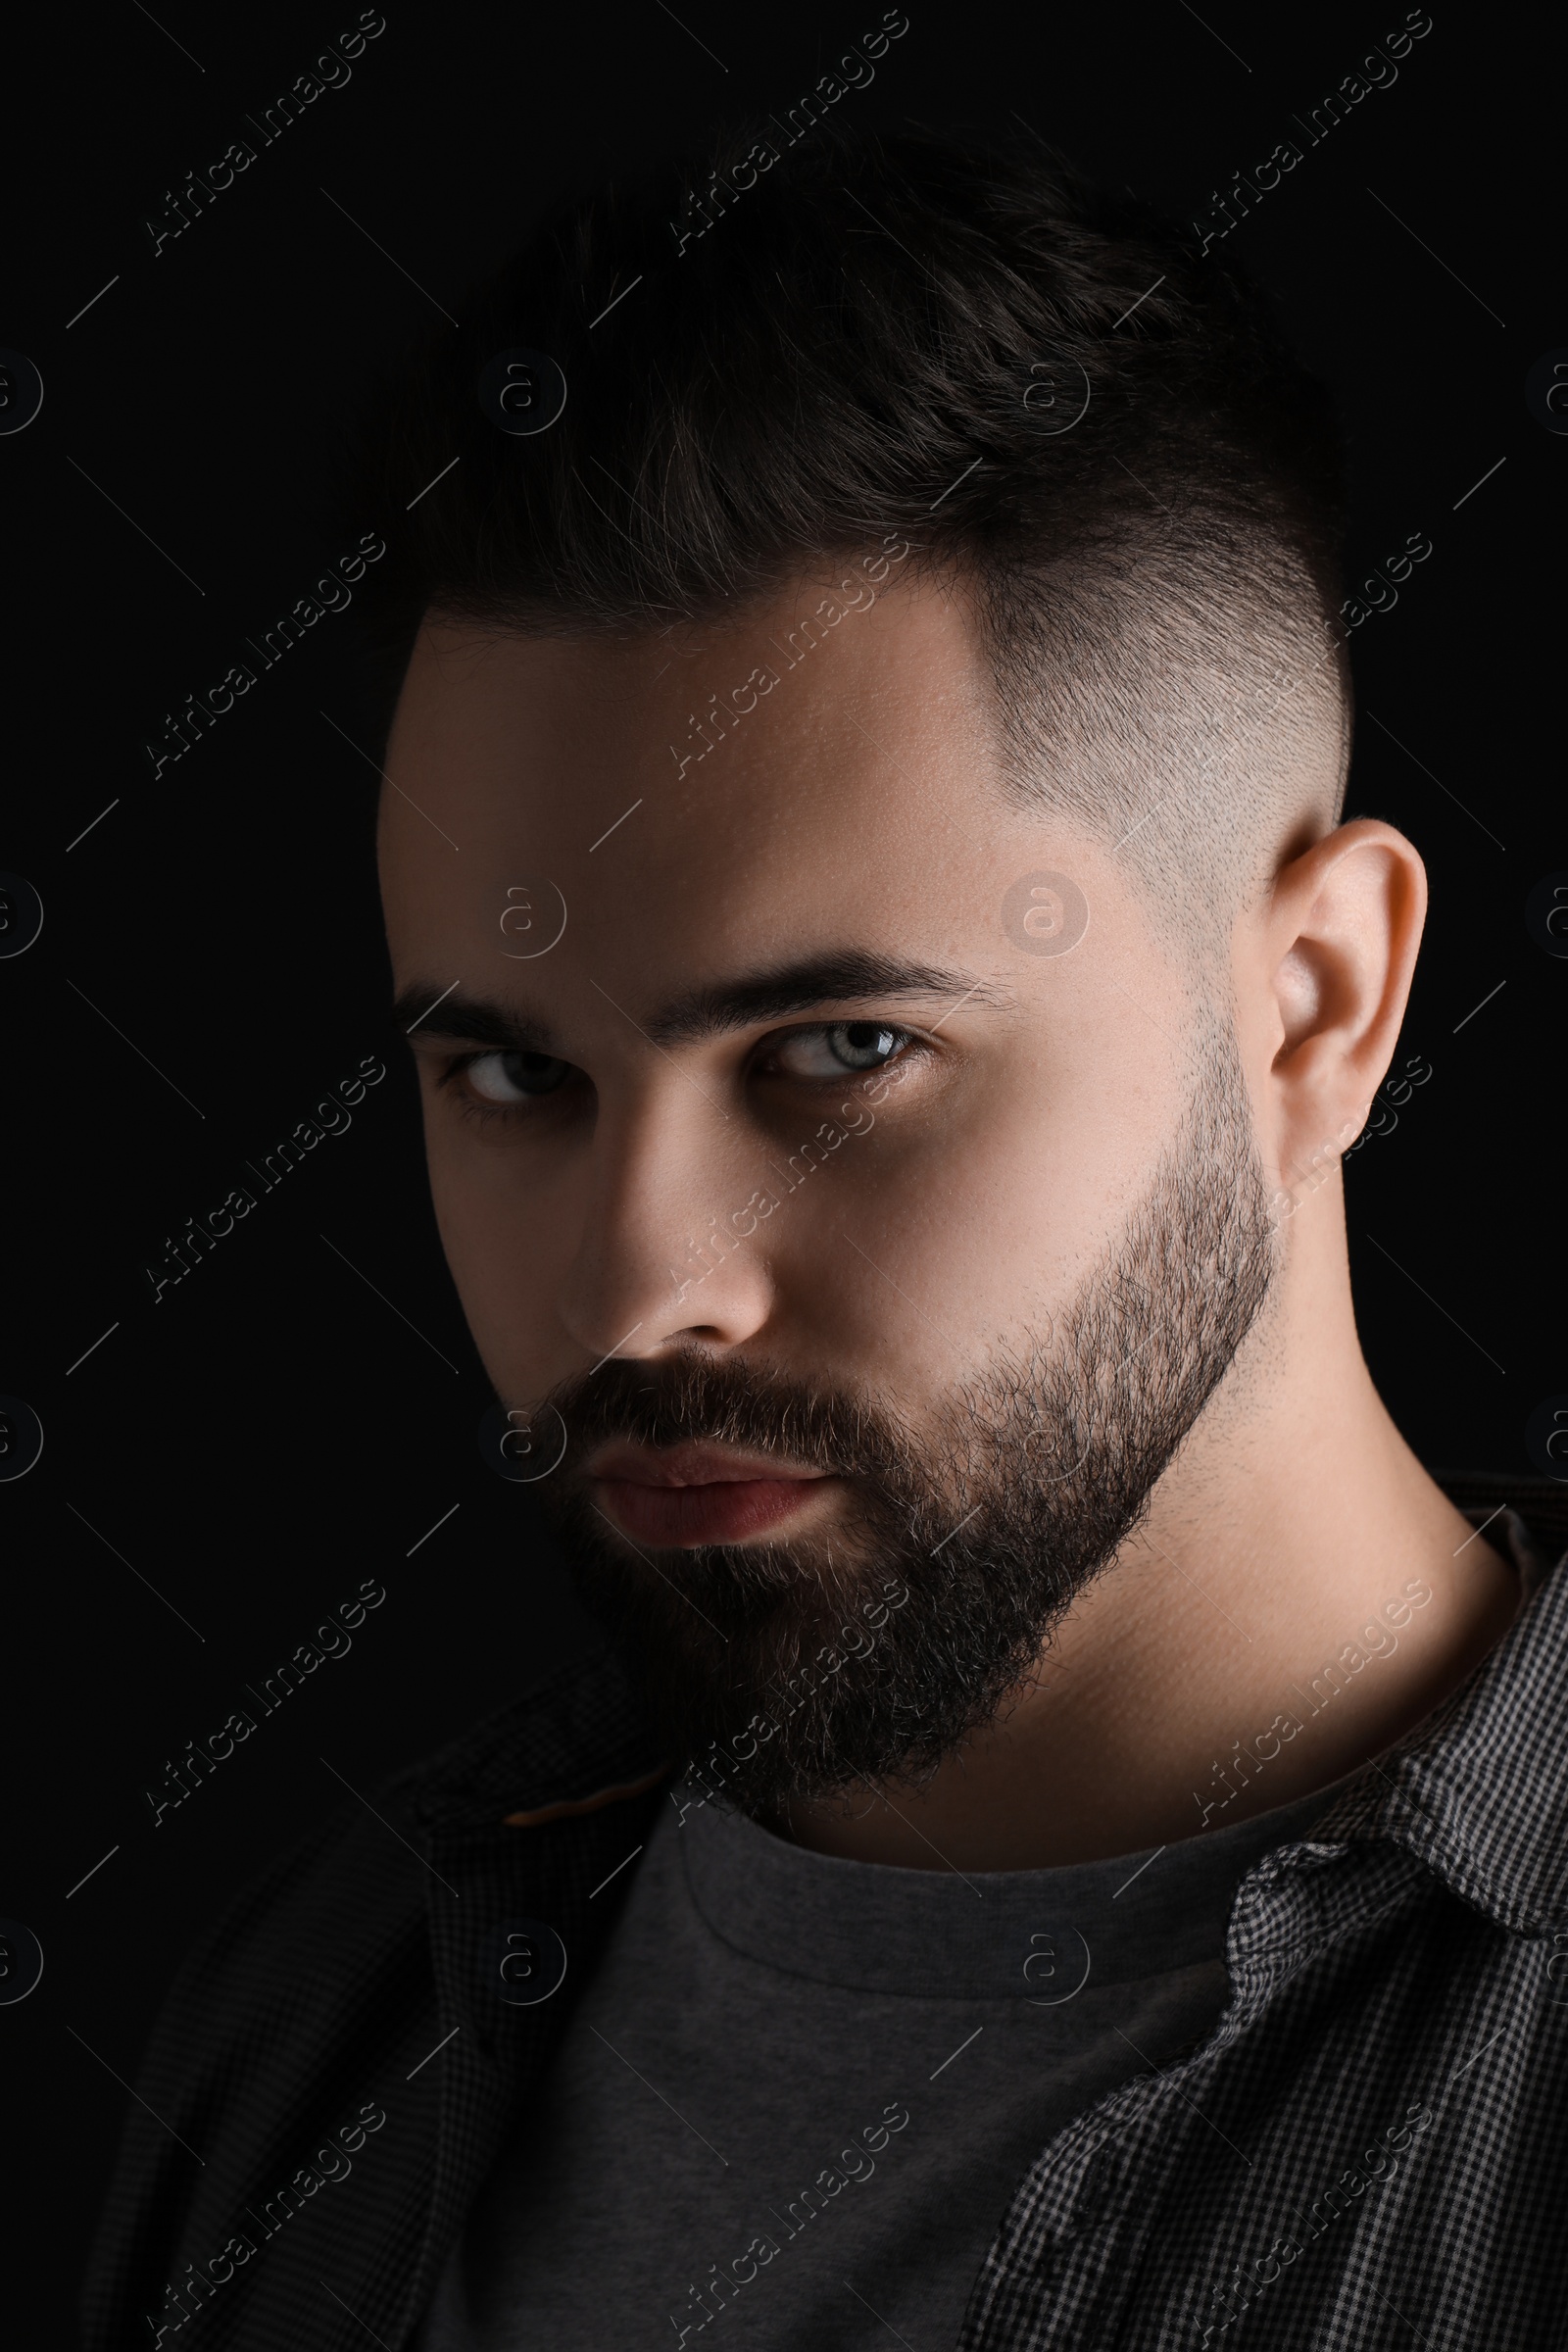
701 1493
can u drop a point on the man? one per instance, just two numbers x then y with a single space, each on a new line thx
1062 1845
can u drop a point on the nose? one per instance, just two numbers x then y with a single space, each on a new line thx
670 1246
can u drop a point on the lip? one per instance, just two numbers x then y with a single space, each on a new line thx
696 1463
700 1494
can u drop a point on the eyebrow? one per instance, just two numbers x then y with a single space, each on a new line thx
840 976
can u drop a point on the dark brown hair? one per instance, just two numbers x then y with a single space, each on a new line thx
786 349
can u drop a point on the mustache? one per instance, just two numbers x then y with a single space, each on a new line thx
756 1406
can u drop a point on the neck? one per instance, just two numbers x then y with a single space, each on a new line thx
1298 1596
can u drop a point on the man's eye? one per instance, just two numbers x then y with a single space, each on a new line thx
505 1078
831 1052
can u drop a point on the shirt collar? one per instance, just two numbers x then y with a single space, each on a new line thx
571 1744
1479 1790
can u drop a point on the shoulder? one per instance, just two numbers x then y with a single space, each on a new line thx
310 1991
337 1918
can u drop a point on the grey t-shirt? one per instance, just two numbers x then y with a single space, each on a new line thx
799 2093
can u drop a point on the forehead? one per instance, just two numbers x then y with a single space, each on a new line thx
810 771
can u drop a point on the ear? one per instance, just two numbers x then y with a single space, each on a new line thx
1339 940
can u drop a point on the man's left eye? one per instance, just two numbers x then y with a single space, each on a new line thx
836 1051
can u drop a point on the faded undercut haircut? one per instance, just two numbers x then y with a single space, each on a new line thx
781 351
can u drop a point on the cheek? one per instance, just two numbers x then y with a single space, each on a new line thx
500 1248
937 1232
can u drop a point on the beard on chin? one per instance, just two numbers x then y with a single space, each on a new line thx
868 1654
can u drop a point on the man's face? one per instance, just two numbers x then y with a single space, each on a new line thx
839 1173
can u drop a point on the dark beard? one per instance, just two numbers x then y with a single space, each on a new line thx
778 1670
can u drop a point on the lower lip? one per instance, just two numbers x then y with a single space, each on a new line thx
724 1512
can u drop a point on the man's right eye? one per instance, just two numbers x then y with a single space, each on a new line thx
501 1079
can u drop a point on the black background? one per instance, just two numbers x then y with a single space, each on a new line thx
231 1462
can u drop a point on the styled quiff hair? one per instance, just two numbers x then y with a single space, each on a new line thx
783 349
